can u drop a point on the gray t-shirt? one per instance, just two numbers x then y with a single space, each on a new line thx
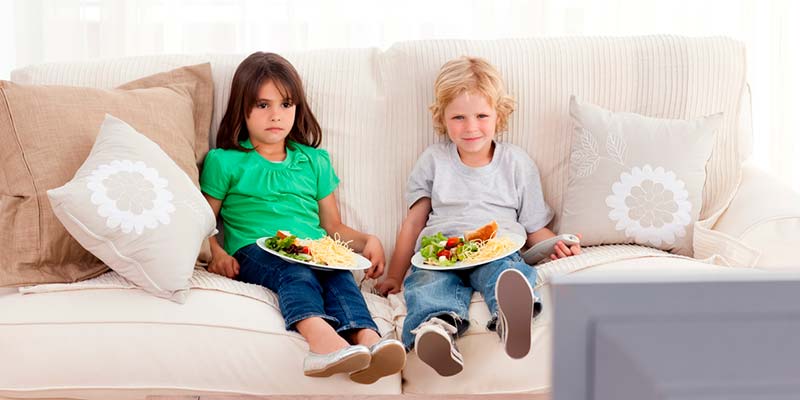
507 190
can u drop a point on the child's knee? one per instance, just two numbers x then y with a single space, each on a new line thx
295 272
423 277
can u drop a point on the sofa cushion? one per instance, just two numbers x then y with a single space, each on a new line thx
132 207
98 340
635 179
48 132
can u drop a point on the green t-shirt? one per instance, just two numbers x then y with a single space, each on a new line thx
260 197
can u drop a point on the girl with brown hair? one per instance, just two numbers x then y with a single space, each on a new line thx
268 174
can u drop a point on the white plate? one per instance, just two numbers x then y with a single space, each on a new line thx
361 261
418 261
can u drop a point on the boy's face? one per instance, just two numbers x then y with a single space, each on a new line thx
272 118
471 123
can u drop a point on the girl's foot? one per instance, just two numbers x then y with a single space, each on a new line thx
388 358
348 359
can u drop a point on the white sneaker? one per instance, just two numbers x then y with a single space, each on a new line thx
514 312
435 346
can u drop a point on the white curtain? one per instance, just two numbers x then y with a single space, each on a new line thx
60 30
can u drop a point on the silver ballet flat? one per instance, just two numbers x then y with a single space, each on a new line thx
348 359
388 358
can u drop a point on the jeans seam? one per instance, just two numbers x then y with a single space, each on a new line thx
345 308
351 320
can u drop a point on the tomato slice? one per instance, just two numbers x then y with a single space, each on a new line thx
452 242
443 252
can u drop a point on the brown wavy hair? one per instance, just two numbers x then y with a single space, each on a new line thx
255 70
472 75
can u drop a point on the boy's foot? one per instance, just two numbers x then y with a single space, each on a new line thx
348 359
435 344
388 358
514 311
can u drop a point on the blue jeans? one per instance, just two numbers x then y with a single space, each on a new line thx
447 294
304 292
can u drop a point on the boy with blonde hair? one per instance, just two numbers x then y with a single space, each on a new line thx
454 187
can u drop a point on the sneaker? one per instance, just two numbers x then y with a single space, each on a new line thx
348 359
388 358
435 344
514 310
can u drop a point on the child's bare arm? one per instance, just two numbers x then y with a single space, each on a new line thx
404 245
368 245
331 222
221 263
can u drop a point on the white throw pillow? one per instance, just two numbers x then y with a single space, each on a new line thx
636 179
131 206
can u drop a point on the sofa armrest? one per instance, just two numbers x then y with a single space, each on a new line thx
764 215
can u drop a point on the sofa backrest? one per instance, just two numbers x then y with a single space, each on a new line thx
372 104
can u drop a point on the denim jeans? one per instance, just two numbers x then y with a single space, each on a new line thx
303 292
430 294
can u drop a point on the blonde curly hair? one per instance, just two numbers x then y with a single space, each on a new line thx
470 75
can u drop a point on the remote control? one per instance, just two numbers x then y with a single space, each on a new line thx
543 249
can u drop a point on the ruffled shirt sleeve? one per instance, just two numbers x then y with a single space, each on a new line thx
213 179
327 181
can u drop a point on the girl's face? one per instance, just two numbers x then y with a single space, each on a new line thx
471 123
272 118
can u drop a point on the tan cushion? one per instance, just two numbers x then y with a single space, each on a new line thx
635 179
132 207
47 132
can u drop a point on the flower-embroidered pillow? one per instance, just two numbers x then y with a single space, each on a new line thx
131 206
636 179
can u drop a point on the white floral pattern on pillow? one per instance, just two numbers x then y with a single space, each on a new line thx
650 205
135 209
635 178
130 195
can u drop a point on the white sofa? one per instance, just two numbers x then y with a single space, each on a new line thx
104 339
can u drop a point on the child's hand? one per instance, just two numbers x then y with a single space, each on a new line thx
373 250
389 286
223 264
563 251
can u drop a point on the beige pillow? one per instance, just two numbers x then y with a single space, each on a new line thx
46 134
132 207
635 179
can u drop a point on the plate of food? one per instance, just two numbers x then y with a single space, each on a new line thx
478 247
326 253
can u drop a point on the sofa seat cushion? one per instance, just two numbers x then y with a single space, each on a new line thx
488 370
111 342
